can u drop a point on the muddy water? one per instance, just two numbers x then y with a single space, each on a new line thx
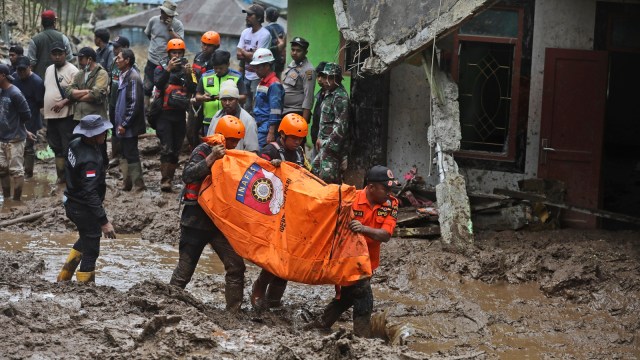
42 184
123 262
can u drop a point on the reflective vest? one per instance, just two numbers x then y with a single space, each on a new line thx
211 84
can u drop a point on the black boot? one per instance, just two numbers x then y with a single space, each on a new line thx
184 271
233 294
275 291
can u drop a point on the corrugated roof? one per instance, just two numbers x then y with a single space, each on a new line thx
222 16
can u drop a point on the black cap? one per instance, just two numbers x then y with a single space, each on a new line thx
255 9
58 45
4 69
22 62
381 174
87 52
120 41
300 42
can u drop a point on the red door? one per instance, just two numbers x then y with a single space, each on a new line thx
573 111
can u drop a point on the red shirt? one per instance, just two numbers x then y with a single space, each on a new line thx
378 217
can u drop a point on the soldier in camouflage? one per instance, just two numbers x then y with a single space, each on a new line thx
333 136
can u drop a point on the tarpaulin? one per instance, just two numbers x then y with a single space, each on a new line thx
285 219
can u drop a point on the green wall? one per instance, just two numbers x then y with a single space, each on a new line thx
315 21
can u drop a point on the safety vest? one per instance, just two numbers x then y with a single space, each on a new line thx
191 190
211 84
300 158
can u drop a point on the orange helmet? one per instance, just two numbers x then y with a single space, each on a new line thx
230 127
211 38
293 124
175 44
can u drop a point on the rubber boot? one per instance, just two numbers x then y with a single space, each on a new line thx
60 171
362 326
127 184
167 176
70 266
6 187
183 272
18 183
135 176
275 291
29 161
86 277
233 294
259 289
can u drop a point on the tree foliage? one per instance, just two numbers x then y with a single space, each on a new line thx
71 13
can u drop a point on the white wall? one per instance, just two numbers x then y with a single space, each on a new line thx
408 120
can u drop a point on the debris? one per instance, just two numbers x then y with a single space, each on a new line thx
431 230
24 218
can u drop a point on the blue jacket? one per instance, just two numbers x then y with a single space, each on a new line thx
130 105
269 100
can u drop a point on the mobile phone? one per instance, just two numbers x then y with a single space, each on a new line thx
184 61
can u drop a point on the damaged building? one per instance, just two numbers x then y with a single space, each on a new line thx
543 90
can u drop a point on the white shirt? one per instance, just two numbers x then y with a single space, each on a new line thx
251 41
52 93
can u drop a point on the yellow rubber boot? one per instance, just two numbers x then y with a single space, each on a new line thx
86 277
70 265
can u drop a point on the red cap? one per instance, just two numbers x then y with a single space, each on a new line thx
49 14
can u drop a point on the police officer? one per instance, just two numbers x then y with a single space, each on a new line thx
197 229
86 188
375 212
333 135
299 81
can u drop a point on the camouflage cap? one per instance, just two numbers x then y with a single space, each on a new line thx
332 69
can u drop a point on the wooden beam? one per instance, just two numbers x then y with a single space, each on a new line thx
596 212
417 232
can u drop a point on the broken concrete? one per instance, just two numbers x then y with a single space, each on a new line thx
395 29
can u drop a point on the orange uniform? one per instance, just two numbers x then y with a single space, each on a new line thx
378 217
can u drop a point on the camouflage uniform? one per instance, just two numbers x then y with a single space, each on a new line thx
333 135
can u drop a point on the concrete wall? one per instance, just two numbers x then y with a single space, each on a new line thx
567 24
408 120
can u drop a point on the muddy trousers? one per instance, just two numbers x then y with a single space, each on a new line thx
59 133
116 148
268 290
89 231
192 243
360 297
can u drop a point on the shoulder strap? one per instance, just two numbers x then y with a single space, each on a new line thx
280 149
55 74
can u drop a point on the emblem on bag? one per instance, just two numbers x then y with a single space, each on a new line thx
260 190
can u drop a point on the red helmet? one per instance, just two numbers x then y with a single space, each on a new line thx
211 38
175 44
293 124
230 127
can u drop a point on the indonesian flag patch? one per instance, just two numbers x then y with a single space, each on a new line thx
91 173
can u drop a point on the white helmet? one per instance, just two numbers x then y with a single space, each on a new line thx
262 56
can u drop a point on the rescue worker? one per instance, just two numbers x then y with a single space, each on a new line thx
175 82
299 81
208 89
333 136
86 188
268 289
229 99
269 95
375 212
202 63
129 119
119 43
196 228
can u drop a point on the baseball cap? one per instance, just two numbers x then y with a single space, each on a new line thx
4 69
381 174
255 9
300 42
120 41
58 46
22 62
49 14
87 52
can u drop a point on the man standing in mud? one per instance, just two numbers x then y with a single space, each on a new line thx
196 228
375 211
86 188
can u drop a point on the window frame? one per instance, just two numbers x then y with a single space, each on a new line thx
510 154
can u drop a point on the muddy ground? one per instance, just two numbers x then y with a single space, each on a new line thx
563 294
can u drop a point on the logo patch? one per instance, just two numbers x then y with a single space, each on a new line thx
383 212
260 190
359 213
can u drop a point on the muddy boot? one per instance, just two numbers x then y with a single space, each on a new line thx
135 175
233 294
18 183
275 291
362 326
29 160
86 277
167 176
70 266
127 184
60 171
259 289
183 272
6 187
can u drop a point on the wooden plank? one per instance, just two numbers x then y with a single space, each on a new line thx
417 232
596 212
